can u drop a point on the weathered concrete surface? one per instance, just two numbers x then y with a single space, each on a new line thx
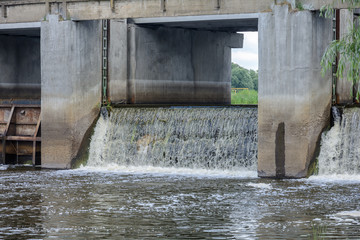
344 87
118 61
20 76
294 100
169 65
71 86
35 10
223 23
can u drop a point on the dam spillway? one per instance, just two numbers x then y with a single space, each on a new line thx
340 149
211 138
134 54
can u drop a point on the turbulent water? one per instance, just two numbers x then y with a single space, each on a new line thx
180 137
340 147
149 193
90 204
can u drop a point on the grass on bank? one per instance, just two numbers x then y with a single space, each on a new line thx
244 97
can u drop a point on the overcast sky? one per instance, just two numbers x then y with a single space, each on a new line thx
247 56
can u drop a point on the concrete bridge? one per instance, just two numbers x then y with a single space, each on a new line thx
71 55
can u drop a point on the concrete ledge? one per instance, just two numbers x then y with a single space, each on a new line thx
195 19
20 26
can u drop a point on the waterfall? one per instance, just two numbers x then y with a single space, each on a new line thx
209 138
340 147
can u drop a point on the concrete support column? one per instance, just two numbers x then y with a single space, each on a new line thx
344 87
117 60
294 100
71 87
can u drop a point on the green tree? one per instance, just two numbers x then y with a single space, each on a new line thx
347 48
242 77
254 77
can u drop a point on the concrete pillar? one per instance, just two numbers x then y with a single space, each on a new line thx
71 87
171 65
344 87
294 100
117 61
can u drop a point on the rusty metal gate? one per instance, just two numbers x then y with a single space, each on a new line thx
20 134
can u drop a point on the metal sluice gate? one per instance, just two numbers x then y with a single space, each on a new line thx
20 134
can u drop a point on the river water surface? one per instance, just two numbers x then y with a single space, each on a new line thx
155 203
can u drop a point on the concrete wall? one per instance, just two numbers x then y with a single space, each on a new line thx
71 86
20 76
344 87
169 65
294 100
117 59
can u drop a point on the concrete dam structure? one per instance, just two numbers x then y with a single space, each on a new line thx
72 56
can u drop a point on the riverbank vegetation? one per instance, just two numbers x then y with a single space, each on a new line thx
244 85
244 97
344 51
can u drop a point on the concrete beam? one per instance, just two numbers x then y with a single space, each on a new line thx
201 18
33 10
31 29
20 26
228 22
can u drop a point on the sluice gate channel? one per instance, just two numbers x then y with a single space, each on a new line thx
20 134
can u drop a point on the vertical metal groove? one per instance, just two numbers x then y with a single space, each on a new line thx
163 5
4 11
336 23
105 41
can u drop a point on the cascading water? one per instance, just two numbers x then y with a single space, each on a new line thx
182 137
340 147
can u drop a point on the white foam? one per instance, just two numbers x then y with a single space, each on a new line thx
114 168
349 213
3 167
340 149
185 138
260 185
340 178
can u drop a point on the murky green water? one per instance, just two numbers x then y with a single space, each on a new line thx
88 204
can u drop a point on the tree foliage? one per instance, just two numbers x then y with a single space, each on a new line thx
243 78
346 49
